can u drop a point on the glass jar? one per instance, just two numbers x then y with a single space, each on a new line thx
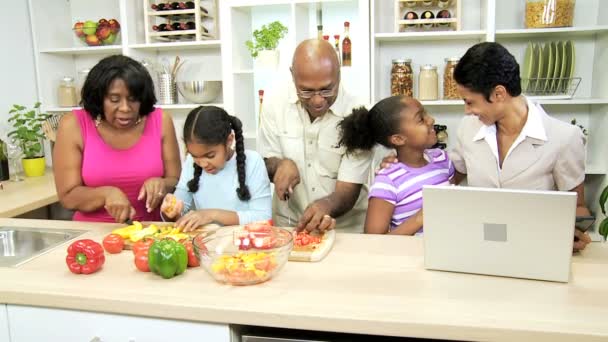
449 84
402 78
428 83
82 77
66 93
549 13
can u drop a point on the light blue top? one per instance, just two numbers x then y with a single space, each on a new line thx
219 191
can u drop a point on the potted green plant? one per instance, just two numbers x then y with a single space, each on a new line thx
27 125
4 175
263 47
603 227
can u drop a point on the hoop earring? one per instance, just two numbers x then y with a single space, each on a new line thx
97 121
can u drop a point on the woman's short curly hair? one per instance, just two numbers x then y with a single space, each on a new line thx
135 76
487 65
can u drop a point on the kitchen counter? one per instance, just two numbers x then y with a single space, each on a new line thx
21 197
367 284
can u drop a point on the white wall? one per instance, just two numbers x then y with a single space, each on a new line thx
18 82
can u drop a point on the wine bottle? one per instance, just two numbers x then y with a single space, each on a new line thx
176 26
158 7
346 46
161 27
175 5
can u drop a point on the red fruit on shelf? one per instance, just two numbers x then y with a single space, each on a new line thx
92 40
103 32
102 21
78 29
114 25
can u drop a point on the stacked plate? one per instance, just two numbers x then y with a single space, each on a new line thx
548 69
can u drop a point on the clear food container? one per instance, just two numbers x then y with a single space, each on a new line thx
549 13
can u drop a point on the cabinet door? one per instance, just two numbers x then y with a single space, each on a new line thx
32 324
4 335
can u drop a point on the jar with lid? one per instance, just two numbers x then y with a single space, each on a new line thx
66 93
549 13
402 78
450 92
428 83
82 77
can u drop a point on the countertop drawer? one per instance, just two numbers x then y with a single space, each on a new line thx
33 324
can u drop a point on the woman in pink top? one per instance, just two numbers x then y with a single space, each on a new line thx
117 157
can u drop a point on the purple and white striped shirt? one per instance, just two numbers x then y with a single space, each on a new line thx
401 185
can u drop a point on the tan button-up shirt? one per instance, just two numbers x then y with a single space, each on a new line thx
549 154
287 132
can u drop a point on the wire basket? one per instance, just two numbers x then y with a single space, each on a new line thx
554 87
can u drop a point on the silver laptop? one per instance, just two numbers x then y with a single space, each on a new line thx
513 233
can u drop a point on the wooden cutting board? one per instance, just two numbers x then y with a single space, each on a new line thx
317 254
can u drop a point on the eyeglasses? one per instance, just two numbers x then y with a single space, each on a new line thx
308 94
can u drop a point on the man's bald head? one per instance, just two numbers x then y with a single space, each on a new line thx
315 54
316 67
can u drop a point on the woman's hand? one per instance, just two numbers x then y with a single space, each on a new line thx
172 207
195 219
118 206
153 191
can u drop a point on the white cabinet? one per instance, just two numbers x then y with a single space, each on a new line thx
32 324
4 332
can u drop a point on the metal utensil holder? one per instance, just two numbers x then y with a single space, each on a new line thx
167 89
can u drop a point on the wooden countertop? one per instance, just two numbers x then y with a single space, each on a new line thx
21 197
367 284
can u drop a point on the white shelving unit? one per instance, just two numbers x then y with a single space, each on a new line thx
503 21
59 53
242 78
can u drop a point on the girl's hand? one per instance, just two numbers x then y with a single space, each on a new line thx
118 206
153 191
172 207
194 219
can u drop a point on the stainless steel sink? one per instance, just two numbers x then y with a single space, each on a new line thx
19 244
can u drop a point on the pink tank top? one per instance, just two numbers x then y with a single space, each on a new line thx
128 169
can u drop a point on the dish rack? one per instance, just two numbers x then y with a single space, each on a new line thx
204 15
419 7
554 87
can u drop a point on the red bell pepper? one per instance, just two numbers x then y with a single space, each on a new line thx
85 256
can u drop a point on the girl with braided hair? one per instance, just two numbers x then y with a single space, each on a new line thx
220 184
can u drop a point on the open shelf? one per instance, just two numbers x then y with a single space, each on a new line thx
431 35
561 32
173 46
85 50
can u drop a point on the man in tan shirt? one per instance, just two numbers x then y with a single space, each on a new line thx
317 185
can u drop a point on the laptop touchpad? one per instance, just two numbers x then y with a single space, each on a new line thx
495 232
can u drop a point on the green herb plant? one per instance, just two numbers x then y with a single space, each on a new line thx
27 125
266 38
603 227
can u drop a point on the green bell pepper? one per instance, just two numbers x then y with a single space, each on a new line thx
167 258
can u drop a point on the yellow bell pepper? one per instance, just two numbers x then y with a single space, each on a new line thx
140 234
127 231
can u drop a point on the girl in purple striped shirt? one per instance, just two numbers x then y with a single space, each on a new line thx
395 198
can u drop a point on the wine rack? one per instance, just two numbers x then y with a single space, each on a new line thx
427 15
180 21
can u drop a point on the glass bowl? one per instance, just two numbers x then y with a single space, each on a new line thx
96 34
243 255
